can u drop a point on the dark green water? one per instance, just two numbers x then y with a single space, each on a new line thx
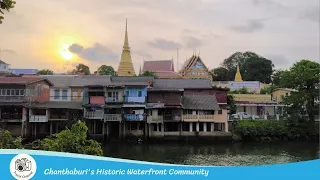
216 154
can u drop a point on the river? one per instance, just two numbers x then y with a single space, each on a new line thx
216 154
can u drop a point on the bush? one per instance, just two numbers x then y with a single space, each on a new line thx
259 130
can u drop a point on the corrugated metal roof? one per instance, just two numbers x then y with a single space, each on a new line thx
200 102
58 105
131 79
81 81
60 80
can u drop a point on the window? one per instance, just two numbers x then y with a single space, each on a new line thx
21 92
110 94
219 111
56 94
17 92
65 94
12 92
8 92
3 92
127 93
5 67
75 94
139 93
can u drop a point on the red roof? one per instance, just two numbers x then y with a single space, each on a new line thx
168 74
159 65
20 80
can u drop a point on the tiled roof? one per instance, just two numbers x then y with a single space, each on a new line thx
168 74
21 80
157 65
81 81
182 84
60 80
200 102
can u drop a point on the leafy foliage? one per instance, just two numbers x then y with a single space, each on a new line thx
80 69
45 72
242 90
72 140
148 73
268 89
106 70
5 5
8 142
252 66
269 130
231 104
303 76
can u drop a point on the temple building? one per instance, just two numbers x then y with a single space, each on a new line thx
164 69
194 68
126 67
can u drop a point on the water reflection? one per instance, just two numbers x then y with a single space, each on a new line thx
219 155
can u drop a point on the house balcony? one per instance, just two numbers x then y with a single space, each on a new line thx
93 114
155 119
11 117
171 118
198 118
135 99
12 98
113 117
38 118
58 117
134 117
113 100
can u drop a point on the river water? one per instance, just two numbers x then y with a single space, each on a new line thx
216 154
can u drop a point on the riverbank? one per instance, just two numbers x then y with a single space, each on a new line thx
250 130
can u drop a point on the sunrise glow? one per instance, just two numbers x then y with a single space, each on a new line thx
65 53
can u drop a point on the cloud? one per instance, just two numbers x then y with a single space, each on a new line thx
97 52
145 55
9 51
312 14
164 44
252 26
192 42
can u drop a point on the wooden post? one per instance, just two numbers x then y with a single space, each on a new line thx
103 129
94 128
50 128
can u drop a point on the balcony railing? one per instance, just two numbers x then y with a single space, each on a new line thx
172 118
190 117
113 99
112 117
12 98
9 116
38 118
93 115
135 99
53 116
134 117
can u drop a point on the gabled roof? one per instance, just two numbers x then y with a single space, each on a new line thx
168 75
88 80
22 80
24 71
2 62
182 84
158 65
60 81
131 80
190 62
200 102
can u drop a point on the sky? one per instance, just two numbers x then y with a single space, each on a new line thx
39 34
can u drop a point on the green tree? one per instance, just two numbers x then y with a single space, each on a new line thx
8 142
80 69
149 73
45 72
276 76
268 89
303 76
73 140
220 74
231 104
106 70
5 5
253 67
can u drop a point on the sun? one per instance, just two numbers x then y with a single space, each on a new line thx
65 53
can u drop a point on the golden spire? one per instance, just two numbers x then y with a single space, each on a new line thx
238 76
140 70
126 67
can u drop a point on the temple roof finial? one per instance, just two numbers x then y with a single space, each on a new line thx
238 76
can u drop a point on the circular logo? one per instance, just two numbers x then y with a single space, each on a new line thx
23 167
